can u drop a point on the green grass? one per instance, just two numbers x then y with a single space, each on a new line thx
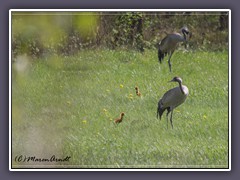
66 106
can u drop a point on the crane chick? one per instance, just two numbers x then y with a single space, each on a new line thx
172 99
119 120
169 44
137 91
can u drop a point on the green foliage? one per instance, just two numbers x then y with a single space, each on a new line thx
86 23
126 29
66 106
40 35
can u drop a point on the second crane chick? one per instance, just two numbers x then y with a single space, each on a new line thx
137 91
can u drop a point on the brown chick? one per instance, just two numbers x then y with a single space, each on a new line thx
137 91
118 120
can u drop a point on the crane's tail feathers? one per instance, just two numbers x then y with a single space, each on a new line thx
160 111
160 55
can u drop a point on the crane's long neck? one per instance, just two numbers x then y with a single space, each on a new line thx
184 35
181 87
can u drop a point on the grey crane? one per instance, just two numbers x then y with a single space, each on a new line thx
169 44
172 99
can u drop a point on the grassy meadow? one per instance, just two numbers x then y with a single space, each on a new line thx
66 106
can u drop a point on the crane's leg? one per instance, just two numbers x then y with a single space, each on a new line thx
160 55
168 111
169 61
171 119
167 120
159 113
185 45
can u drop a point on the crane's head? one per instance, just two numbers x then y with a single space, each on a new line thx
185 31
176 79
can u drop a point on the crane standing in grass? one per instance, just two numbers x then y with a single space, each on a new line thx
172 99
169 44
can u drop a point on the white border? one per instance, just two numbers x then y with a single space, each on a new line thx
230 88
115 10
10 90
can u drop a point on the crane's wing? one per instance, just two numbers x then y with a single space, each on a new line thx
173 98
170 42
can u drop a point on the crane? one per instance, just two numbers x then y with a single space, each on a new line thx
169 44
172 99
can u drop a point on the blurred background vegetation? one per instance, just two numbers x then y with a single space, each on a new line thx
40 34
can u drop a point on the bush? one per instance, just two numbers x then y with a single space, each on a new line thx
39 35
